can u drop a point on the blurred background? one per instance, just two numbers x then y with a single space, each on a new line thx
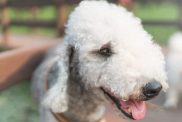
29 27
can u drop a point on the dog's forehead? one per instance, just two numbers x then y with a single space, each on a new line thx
95 23
103 21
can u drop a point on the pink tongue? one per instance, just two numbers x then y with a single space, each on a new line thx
138 108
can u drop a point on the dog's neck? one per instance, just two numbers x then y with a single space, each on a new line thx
84 104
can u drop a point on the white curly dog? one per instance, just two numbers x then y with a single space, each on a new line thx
106 57
174 68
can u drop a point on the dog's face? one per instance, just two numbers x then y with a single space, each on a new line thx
115 55
127 77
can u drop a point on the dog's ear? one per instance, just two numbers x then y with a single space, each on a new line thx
57 97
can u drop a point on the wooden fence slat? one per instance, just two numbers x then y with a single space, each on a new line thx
34 23
26 3
61 19
162 22
157 1
34 11
39 3
5 23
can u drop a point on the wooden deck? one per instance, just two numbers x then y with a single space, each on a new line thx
18 63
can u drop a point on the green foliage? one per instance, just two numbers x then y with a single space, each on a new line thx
45 13
16 105
153 11
163 11
161 34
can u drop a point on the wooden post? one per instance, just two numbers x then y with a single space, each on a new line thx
61 18
34 11
180 14
5 23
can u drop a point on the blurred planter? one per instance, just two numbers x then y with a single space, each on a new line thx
18 63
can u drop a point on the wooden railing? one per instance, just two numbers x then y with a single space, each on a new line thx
59 22
29 3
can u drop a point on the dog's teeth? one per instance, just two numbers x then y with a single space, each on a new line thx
124 100
129 110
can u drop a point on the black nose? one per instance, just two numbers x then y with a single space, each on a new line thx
152 89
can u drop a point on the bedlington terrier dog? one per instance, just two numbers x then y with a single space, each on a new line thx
174 68
106 58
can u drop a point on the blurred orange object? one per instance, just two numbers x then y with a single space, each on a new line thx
126 2
18 63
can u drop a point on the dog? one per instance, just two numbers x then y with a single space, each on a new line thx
174 69
106 58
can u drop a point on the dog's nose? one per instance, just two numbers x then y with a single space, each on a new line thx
152 89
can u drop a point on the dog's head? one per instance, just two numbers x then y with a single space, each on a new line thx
114 54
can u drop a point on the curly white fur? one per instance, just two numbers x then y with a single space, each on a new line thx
135 62
174 68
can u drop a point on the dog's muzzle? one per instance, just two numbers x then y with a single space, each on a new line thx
152 89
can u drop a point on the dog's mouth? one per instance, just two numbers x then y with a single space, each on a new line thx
132 109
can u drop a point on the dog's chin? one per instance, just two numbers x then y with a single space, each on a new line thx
132 109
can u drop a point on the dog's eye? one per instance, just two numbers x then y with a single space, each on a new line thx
105 52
